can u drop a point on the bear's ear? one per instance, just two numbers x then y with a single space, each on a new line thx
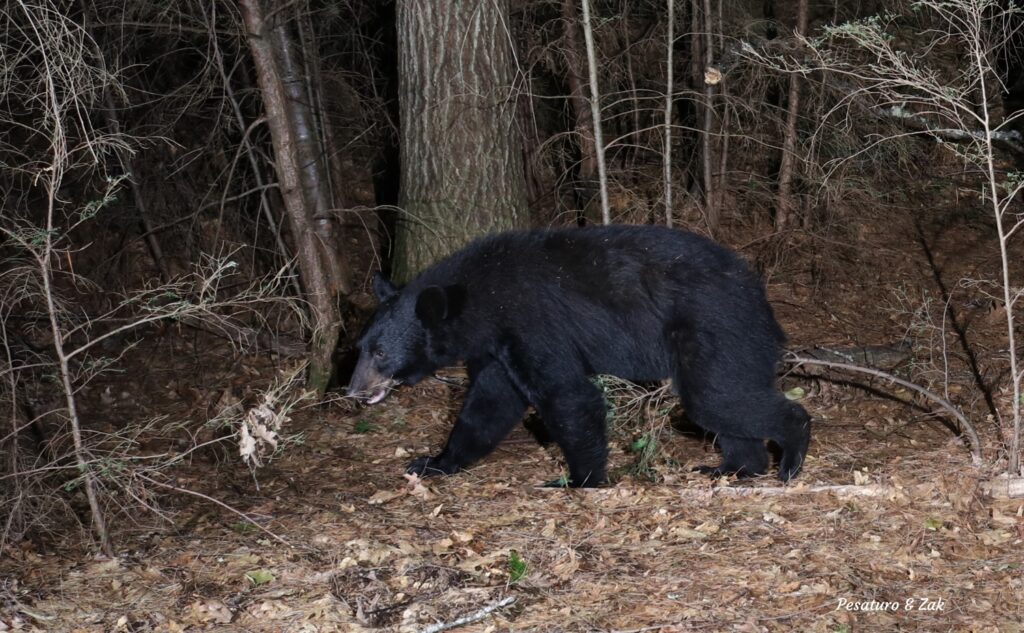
383 288
435 304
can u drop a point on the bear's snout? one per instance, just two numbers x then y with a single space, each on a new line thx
367 383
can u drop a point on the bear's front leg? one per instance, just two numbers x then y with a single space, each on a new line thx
492 407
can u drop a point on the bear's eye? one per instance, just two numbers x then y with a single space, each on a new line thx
378 354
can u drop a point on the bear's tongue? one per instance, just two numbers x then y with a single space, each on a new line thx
378 396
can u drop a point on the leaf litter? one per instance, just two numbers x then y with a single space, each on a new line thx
888 528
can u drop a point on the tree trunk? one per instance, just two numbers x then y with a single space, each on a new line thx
707 148
785 207
669 87
462 169
290 134
314 174
595 112
585 181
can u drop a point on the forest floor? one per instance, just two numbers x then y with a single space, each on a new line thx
886 529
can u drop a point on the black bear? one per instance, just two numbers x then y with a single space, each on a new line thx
534 313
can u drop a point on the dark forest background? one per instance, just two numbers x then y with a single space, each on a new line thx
233 173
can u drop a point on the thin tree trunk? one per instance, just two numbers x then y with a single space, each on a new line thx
785 206
316 276
595 110
629 152
537 189
10 468
585 180
723 145
89 482
328 219
707 142
265 207
669 87
314 174
461 160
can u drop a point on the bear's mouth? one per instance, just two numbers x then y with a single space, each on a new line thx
381 391
378 395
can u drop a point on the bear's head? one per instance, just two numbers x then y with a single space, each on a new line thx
401 344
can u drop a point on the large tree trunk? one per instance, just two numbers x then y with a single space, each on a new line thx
462 170
293 133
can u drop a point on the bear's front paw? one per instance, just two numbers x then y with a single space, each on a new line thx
431 466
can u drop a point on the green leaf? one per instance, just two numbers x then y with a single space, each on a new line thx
259 577
932 524
561 482
243 527
796 393
640 443
516 566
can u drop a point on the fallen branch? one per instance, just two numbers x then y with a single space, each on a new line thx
849 490
469 619
918 122
216 501
1004 487
965 426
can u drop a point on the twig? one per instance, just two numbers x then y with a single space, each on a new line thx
707 492
863 490
469 619
965 426
216 501
644 629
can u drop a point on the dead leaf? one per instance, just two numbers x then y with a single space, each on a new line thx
383 496
211 611
568 566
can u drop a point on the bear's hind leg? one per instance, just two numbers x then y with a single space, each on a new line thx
492 408
727 385
741 456
575 417
794 440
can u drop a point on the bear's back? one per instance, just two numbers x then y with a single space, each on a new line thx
596 256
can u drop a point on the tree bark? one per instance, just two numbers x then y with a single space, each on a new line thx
461 161
786 207
288 139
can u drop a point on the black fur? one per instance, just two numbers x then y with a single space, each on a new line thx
534 313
